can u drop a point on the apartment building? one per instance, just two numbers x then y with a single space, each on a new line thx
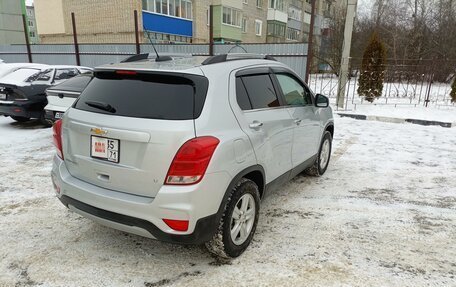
178 21
11 25
101 21
188 21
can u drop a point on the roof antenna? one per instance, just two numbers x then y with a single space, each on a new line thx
237 45
159 58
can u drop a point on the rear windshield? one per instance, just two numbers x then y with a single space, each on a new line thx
152 96
76 84
21 74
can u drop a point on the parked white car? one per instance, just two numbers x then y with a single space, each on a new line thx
62 96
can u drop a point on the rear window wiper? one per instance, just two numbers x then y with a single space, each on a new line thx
101 106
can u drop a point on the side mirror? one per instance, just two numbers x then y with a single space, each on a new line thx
321 101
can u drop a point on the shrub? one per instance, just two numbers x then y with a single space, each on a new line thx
453 91
370 84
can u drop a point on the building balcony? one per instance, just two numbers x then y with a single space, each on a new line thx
276 15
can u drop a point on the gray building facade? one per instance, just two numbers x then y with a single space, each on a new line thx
11 25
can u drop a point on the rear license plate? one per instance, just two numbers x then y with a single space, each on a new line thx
2 96
58 115
105 148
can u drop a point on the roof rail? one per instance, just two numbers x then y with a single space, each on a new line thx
233 57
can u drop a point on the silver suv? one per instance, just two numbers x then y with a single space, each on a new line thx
183 150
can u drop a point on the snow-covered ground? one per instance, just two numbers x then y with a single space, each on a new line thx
384 214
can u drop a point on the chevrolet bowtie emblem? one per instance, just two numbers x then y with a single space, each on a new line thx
98 131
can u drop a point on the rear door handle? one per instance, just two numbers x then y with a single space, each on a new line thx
256 125
298 121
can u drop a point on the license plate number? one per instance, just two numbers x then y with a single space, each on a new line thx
58 115
2 96
105 148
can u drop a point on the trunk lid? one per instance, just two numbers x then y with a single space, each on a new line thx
146 150
124 130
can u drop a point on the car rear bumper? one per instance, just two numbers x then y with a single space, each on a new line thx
199 204
24 109
51 115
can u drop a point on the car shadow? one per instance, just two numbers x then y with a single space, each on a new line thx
29 125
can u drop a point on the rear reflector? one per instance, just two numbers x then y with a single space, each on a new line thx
191 161
178 225
122 72
57 137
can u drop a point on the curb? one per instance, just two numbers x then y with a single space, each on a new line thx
398 120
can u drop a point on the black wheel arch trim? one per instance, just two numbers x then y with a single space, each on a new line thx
329 124
233 183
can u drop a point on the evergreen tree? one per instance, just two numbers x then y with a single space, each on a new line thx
453 91
370 84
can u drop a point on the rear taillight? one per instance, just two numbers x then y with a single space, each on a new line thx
191 161
57 137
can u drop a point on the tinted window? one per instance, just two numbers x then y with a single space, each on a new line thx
241 96
76 84
143 96
260 91
293 91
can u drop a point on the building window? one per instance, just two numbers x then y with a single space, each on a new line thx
259 3
30 23
208 16
244 1
231 17
244 25
276 29
176 8
294 13
277 4
258 27
293 34
32 34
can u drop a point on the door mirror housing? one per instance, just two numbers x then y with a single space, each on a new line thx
321 101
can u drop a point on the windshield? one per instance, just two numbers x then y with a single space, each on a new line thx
20 75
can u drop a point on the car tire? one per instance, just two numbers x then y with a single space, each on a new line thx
20 119
245 198
45 122
324 154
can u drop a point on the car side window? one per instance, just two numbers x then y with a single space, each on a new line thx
294 92
43 76
64 74
260 91
241 95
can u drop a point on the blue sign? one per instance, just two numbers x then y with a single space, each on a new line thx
167 24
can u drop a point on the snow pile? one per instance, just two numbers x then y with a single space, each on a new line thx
382 215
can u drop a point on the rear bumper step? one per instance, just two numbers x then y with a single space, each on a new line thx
204 230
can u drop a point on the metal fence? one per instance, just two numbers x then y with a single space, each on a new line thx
404 85
92 55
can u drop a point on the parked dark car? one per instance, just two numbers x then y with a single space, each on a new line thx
22 92
62 96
